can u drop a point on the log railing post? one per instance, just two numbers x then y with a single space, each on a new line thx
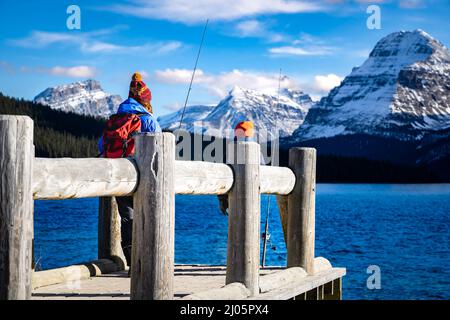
301 209
244 218
152 267
109 238
16 207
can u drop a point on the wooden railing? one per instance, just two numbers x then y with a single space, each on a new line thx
153 177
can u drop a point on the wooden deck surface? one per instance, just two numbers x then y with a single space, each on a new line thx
188 279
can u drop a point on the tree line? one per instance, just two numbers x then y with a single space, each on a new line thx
57 133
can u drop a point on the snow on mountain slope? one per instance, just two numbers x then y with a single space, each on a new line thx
402 91
276 116
85 98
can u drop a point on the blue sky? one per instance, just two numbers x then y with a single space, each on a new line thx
315 43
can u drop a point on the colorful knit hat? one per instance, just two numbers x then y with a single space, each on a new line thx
244 129
139 91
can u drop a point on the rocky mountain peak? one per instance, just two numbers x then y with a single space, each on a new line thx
82 97
400 91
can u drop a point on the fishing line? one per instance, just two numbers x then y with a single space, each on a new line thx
193 74
266 228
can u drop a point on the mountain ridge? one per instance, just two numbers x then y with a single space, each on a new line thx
82 97
275 114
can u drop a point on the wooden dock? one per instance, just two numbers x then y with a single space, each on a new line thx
153 177
192 282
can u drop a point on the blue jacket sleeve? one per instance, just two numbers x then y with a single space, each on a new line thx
149 124
100 145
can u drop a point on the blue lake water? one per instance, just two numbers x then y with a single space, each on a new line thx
402 229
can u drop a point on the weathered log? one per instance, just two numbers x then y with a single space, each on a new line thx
301 285
73 274
278 279
67 178
281 278
109 237
232 291
16 207
152 267
301 209
276 180
244 218
197 177
321 264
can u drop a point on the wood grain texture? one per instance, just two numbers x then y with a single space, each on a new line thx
301 209
73 274
278 279
16 207
302 285
276 180
152 268
197 177
244 218
232 291
109 237
281 278
67 178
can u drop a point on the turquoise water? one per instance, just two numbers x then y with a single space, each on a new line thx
402 229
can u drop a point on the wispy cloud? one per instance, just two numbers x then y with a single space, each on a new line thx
72 72
306 45
220 84
190 12
301 51
87 43
81 71
256 29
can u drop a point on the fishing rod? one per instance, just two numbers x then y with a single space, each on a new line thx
193 74
266 227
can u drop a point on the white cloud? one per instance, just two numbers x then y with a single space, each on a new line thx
301 51
87 42
189 11
324 83
250 28
305 45
41 39
257 29
72 72
220 84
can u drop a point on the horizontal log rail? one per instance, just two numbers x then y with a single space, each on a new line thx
69 178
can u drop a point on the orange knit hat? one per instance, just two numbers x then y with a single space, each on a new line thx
139 91
244 129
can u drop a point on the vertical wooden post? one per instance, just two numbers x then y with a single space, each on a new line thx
301 209
16 207
109 239
244 218
152 267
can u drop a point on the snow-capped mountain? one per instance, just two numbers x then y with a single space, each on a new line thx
85 98
276 115
401 91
